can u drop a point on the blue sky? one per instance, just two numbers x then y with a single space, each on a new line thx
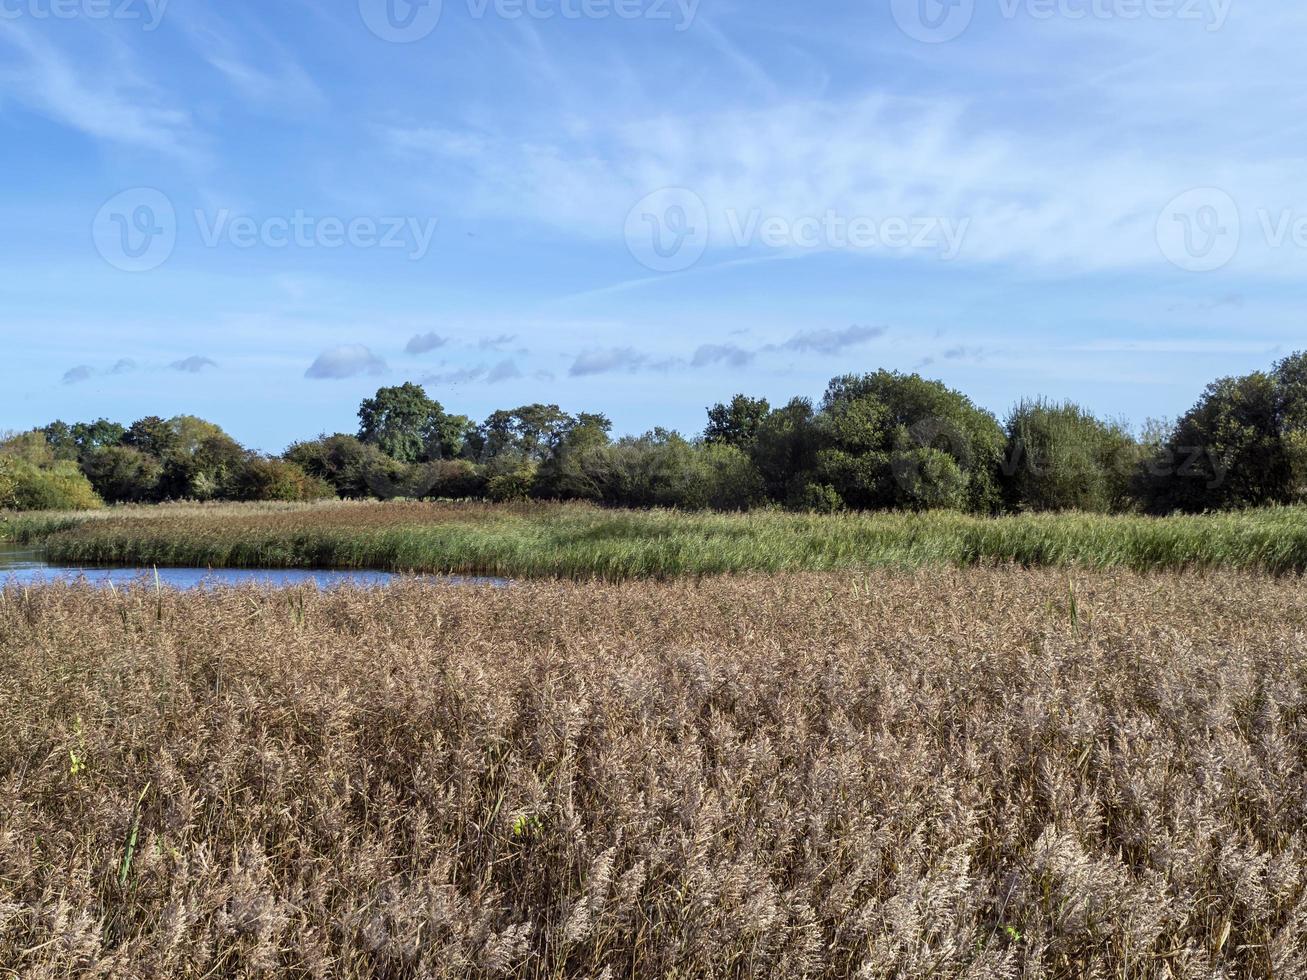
260 212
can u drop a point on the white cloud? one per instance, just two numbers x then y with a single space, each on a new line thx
348 361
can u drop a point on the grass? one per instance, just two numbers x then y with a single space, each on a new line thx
577 541
989 773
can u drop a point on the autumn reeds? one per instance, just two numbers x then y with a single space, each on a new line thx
981 773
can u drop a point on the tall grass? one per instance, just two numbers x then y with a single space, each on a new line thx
578 541
981 773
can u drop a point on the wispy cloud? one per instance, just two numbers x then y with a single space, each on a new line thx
109 102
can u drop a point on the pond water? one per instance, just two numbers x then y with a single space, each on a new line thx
26 566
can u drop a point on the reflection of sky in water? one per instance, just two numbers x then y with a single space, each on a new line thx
23 566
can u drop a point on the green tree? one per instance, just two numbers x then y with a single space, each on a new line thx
123 474
580 466
737 423
532 432
784 450
151 435
409 427
891 440
76 440
1244 444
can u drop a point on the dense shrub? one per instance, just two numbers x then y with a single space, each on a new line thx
32 478
123 474
347 464
1059 457
511 484
59 486
263 478
455 479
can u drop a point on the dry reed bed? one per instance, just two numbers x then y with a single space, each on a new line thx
981 773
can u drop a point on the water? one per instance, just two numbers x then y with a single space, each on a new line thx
25 566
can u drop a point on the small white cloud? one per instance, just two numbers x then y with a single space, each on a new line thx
832 341
503 371
191 365
348 361
424 342
83 372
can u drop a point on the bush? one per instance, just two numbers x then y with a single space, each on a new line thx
889 440
31 478
353 468
1059 457
733 482
458 479
820 498
514 484
263 478
59 486
928 479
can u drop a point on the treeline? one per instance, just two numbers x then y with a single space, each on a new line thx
876 441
